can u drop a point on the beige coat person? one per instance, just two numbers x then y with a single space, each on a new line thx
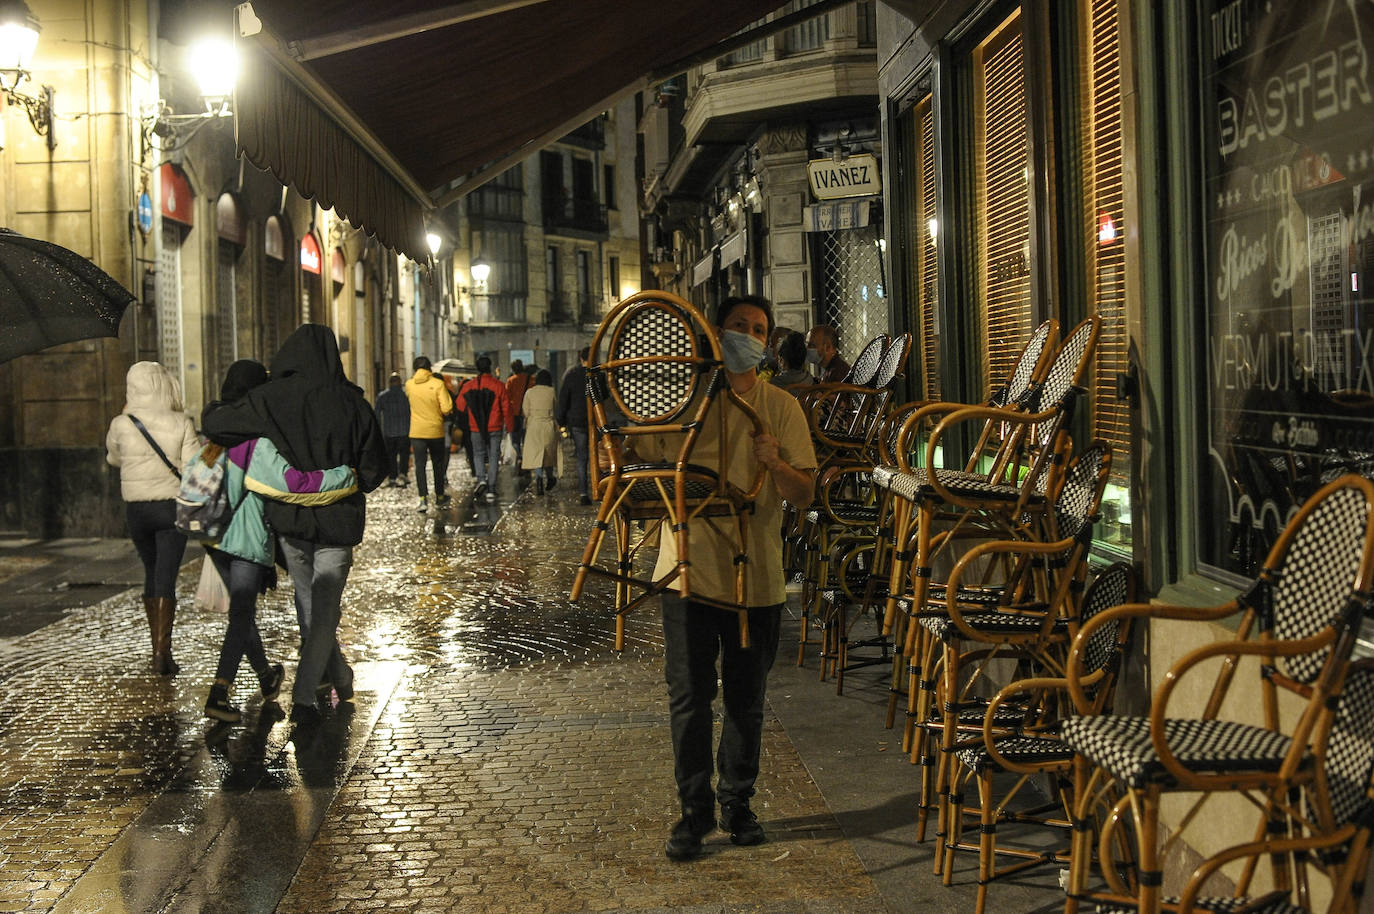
541 432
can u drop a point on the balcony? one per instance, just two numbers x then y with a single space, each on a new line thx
591 135
563 214
499 308
583 308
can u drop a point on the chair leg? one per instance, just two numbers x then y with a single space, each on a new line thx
1080 846
987 838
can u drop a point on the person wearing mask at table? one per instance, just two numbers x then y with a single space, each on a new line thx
822 351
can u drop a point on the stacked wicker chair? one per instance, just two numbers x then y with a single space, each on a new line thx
658 372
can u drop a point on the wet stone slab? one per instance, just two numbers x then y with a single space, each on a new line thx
519 764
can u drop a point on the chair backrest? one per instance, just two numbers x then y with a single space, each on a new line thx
661 358
1349 755
865 367
1080 491
893 362
1025 374
1114 586
1323 560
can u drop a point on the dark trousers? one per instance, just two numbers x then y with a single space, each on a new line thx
694 635
517 438
437 450
152 527
241 637
582 455
397 457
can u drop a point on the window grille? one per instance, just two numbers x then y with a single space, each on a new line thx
1002 183
853 299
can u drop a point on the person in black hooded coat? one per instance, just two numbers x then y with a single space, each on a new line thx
317 420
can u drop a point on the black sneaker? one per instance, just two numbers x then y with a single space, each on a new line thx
217 706
684 842
739 820
444 500
553 481
585 500
270 681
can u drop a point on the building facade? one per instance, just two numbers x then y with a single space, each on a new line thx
1195 174
142 177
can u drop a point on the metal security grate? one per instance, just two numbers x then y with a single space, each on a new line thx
852 289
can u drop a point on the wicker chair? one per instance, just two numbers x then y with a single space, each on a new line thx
1020 737
662 376
1300 622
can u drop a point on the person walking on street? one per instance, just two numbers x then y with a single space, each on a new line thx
696 632
393 412
245 554
483 400
571 414
429 403
520 381
822 350
317 420
150 441
541 433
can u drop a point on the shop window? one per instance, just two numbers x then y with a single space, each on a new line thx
919 231
1001 223
1287 394
1103 239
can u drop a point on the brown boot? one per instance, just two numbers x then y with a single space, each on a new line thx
164 613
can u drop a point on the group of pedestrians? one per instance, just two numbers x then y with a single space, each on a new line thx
300 447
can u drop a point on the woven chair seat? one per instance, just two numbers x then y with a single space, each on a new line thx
846 512
883 474
1027 750
992 623
915 483
700 482
1224 904
854 583
1122 747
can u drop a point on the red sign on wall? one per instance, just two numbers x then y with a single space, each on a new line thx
178 203
310 255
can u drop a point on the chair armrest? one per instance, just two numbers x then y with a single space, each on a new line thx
1231 649
981 550
1198 881
1018 687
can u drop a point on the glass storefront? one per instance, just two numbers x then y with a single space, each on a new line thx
1288 170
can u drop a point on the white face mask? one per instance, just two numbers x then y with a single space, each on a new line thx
740 351
813 357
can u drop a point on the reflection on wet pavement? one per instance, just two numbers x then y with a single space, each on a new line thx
502 755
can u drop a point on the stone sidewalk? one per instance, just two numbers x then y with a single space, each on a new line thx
501 757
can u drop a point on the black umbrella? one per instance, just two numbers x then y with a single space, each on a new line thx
50 295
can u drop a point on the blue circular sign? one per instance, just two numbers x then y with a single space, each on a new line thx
145 212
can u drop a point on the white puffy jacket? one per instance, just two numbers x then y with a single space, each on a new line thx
153 397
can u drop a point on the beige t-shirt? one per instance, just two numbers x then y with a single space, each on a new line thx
713 548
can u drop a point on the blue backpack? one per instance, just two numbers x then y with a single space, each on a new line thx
203 510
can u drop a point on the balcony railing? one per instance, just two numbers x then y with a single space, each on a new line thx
575 308
591 135
499 308
580 215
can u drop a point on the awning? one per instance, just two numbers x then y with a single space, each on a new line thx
383 110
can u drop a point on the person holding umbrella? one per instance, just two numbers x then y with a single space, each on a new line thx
149 442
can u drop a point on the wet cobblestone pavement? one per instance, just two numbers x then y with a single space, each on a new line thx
501 757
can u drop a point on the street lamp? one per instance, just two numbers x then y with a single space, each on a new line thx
213 63
435 242
19 30
480 270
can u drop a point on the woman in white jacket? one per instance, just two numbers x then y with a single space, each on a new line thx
149 483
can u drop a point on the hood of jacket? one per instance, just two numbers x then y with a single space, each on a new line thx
310 353
422 375
150 386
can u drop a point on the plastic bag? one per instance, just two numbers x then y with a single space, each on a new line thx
507 451
211 593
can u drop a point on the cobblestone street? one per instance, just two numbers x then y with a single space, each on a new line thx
501 757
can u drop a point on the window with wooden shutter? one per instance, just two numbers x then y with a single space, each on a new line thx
916 135
1001 226
1105 254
